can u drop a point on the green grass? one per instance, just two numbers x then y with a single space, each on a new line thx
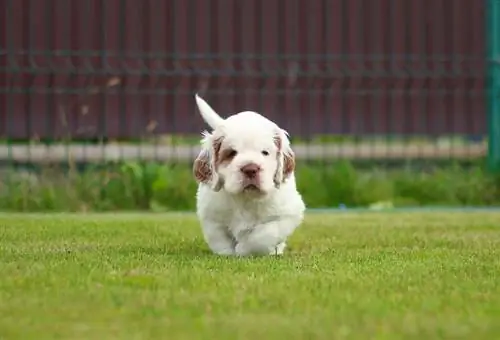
357 276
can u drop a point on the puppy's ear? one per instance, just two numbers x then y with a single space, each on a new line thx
286 158
204 167
202 170
217 181
288 163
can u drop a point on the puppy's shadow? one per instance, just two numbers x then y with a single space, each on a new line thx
184 249
188 249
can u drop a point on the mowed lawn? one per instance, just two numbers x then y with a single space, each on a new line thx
345 275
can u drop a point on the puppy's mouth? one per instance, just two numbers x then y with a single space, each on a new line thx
251 187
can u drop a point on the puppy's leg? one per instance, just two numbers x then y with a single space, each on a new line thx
267 238
279 249
245 249
218 238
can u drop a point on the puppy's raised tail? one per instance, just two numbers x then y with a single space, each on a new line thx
209 115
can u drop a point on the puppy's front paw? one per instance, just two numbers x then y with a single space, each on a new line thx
278 250
242 250
225 252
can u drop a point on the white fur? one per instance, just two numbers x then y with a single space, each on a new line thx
239 222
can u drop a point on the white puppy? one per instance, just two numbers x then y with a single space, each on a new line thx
247 200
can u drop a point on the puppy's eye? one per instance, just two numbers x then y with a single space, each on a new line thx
265 153
227 155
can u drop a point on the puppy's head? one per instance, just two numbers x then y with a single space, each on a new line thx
247 154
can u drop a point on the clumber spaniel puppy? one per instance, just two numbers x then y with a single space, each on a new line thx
247 200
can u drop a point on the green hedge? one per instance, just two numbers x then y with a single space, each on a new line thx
160 187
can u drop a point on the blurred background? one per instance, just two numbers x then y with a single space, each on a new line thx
388 102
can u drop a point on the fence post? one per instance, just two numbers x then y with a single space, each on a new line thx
493 82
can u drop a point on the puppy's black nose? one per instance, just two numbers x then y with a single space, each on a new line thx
250 170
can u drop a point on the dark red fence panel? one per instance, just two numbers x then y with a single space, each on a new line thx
128 68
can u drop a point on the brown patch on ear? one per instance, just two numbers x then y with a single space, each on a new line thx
217 144
277 142
202 170
288 158
288 164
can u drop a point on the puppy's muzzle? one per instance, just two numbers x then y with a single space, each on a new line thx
251 174
251 171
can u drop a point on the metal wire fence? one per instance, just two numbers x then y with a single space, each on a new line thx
370 79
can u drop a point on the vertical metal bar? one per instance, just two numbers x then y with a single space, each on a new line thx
373 45
86 40
67 109
379 83
156 92
139 65
493 83
468 95
439 73
448 61
49 45
390 74
423 63
453 68
359 79
310 92
191 64
344 28
31 65
329 92
146 94
244 55
207 58
10 64
294 64
280 22
104 68
192 28
408 74
259 46
280 62
124 110
178 66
